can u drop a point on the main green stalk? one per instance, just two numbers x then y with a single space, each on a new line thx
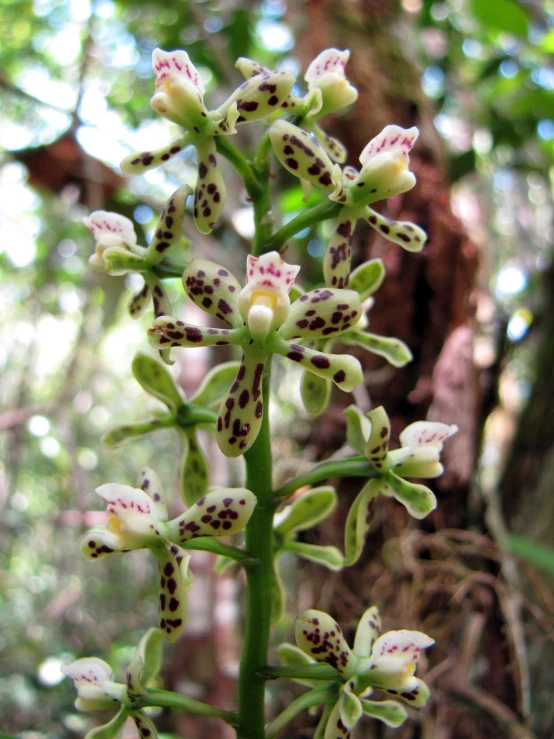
259 541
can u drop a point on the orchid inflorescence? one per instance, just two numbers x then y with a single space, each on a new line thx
265 313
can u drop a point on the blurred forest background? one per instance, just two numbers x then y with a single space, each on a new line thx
476 307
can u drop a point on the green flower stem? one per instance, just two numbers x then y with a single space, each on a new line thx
321 212
262 213
227 149
351 467
261 157
211 544
303 672
313 698
169 268
259 543
167 699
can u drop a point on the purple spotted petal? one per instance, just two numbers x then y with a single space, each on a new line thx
332 146
170 226
378 443
250 68
211 192
359 519
302 155
345 371
175 580
140 301
142 161
168 332
337 257
315 392
321 314
335 727
145 725
240 414
221 512
406 234
260 95
213 289
320 636
369 628
152 486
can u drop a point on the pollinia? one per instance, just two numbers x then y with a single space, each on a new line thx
261 309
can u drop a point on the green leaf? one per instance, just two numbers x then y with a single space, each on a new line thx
367 278
307 510
215 385
315 392
502 15
327 556
389 712
536 554
393 350
156 380
358 428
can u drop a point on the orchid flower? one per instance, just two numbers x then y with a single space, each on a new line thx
185 415
419 456
386 662
262 322
365 280
96 690
179 97
385 172
137 519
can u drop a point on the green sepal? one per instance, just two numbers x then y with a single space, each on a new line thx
334 723
135 687
278 594
349 705
150 650
367 278
323 722
342 369
358 520
358 429
321 314
220 512
292 656
307 510
418 499
118 434
337 257
167 332
390 713
215 385
240 414
214 290
222 564
327 556
160 300
170 226
333 650
111 730
211 192
175 580
315 392
140 301
194 470
378 442
407 235
368 630
156 380
119 261
393 350
141 161
145 725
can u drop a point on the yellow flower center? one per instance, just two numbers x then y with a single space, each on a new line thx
269 300
115 525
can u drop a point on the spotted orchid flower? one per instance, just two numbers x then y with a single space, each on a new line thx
386 662
365 280
96 690
137 519
385 172
419 456
179 97
262 322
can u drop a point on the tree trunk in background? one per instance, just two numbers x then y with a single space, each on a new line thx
436 576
